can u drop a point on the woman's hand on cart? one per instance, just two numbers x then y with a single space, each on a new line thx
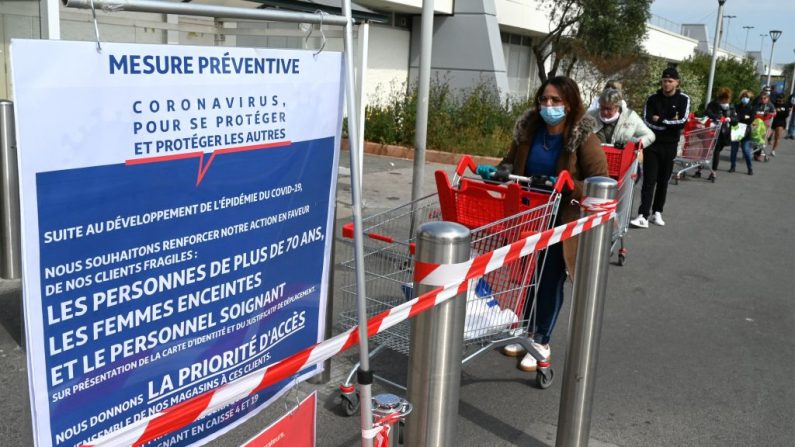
486 172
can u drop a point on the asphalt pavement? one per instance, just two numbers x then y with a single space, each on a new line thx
697 345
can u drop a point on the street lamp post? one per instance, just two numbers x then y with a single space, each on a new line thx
728 27
747 30
715 43
774 35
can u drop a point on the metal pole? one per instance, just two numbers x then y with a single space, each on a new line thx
728 28
423 93
590 284
770 61
364 375
193 9
747 31
436 344
363 44
10 240
715 43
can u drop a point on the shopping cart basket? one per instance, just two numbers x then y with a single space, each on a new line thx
695 147
622 165
497 214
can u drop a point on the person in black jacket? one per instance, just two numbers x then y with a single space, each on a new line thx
665 113
780 121
718 108
745 115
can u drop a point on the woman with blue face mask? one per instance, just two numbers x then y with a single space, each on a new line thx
554 135
745 115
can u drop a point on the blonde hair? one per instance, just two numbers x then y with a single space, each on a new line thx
746 94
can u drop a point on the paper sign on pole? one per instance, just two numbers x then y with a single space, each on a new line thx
295 429
176 213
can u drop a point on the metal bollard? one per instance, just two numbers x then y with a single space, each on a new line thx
10 242
588 297
436 344
389 406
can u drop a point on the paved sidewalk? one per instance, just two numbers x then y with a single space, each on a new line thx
698 341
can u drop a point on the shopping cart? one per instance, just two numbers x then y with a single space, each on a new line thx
695 147
497 215
622 165
759 148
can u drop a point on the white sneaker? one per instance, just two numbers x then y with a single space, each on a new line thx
529 362
656 219
773 153
513 350
639 222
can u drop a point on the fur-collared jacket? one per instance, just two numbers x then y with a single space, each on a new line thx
582 156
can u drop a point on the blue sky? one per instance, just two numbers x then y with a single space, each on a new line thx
763 15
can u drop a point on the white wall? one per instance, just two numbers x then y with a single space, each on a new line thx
387 60
668 45
407 6
522 15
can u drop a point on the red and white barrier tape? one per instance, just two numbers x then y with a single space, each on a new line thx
441 274
456 281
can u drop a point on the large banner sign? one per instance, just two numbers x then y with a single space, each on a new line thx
176 213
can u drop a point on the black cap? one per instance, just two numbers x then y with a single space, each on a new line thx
670 72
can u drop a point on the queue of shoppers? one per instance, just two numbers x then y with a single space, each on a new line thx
557 133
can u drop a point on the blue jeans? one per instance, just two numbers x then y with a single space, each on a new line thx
550 295
746 145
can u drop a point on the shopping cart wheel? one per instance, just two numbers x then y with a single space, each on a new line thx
349 403
697 174
544 377
622 259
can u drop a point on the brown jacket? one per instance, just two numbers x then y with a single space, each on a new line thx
582 156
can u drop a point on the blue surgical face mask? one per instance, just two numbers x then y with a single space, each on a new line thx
745 100
553 114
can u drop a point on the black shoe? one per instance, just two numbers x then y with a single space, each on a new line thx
731 169
750 172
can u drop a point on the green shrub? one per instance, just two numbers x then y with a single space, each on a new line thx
473 121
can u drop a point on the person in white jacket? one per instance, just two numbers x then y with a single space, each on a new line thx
618 124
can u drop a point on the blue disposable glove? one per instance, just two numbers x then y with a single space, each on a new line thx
486 171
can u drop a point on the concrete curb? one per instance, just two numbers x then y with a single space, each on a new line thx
407 153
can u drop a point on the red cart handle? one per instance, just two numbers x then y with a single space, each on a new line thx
564 182
464 163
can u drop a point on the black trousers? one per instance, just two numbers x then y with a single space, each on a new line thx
716 155
658 163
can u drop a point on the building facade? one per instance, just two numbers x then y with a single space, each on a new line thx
475 41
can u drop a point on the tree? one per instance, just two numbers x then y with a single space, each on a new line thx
729 72
563 18
607 34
